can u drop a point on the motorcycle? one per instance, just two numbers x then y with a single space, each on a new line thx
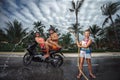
55 58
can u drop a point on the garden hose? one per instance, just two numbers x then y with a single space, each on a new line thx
79 65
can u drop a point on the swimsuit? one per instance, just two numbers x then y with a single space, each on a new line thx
42 43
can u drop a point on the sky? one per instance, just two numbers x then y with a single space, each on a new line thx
51 12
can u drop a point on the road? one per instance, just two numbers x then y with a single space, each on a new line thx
105 68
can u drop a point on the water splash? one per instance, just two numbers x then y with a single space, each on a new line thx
5 65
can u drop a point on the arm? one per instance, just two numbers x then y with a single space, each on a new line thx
88 44
78 44
36 39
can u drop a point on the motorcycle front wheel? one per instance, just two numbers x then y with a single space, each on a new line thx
27 59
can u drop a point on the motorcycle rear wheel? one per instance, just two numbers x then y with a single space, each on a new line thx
57 60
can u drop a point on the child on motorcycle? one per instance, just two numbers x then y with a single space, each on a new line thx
52 41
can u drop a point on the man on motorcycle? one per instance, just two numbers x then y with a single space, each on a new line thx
43 45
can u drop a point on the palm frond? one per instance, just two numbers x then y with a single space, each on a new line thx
73 4
71 10
79 4
105 21
95 30
114 7
110 8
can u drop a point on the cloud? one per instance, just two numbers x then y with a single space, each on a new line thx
54 12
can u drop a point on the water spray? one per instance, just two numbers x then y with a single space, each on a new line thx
8 58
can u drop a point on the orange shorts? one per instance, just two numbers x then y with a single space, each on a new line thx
54 47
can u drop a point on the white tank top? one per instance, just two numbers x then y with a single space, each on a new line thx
84 43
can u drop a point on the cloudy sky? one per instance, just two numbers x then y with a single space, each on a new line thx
54 12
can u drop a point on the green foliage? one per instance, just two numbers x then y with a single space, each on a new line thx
96 33
66 40
9 47
109 9
14 32
2 35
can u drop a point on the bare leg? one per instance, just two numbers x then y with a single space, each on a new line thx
81 62
90 68
49 45
47 49
54 43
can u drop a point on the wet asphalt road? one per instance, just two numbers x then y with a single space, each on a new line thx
105 68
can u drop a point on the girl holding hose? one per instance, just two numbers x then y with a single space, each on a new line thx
85 53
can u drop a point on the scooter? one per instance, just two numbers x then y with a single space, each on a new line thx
55 58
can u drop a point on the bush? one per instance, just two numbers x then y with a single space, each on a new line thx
10 47
20 48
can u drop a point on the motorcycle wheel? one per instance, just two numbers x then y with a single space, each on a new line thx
27 59
57 60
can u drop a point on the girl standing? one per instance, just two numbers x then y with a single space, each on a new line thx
85 53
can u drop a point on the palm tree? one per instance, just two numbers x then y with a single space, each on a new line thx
117 25
14 31
117 20
39 26
75 8
108 10
109 37
2 35
66 40
76 30
96 31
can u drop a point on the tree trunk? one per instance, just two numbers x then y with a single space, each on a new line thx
76 12
95 42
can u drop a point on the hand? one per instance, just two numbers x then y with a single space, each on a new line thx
79 45
49 38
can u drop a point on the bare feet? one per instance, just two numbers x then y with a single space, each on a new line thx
46 55
92 76
59 47
79 75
